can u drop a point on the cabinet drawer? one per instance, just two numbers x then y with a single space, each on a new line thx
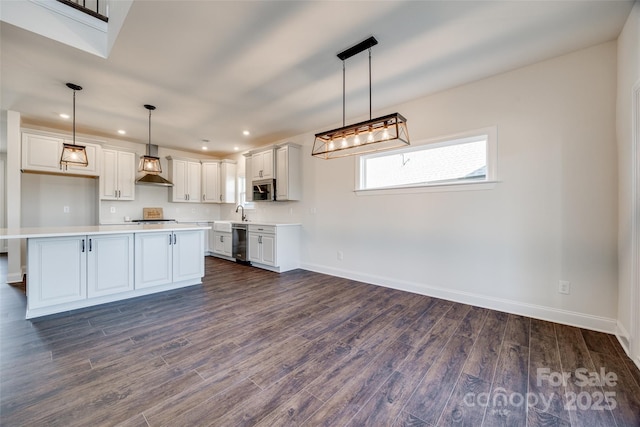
270 229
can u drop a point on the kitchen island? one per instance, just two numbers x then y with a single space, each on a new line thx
75 267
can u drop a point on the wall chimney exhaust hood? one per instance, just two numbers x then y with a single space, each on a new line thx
153 179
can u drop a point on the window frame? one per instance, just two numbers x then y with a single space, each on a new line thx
491 133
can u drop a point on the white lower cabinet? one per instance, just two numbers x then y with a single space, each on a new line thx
165 257
56 271
274 247
68 269
262 245
222 243
109 264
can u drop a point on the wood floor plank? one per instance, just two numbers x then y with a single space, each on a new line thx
620 387
432 394
574 355
508 404
545 371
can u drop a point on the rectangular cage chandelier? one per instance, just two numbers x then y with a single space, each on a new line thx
381 133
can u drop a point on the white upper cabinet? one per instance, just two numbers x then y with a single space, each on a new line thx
210 182
262 165
248 185
41 153
185 175
288 173
118 178
219 181
228 181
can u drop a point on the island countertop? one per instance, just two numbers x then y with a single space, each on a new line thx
38 232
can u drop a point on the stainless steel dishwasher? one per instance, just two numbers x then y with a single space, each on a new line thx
239 241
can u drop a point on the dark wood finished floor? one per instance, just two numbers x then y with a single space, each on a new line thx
255 348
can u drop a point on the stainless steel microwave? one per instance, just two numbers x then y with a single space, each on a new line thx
264 190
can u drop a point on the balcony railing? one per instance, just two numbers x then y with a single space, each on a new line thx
96 8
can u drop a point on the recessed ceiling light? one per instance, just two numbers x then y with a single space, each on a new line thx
122 132
246 133
236 148
204 148
64 116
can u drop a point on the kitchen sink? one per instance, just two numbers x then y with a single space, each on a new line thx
222 226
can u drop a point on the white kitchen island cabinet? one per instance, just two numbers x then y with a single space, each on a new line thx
56 271
75 267
169 257
67 269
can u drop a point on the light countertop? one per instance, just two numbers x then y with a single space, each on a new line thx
34 232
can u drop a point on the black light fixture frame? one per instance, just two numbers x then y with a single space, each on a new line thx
148 158
73 148
324 146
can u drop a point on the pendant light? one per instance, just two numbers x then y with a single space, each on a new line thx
73 154
148 163
377 134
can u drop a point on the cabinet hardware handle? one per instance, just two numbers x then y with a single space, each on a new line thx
82 245
169 239
222 238
203 198
174 239
90 246
260 239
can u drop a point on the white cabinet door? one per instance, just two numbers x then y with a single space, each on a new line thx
41 153
57 271
109 264
262 248
248 185
109 176
254 250
210 182
268 243
153 259
126 175
282 173
118 177
262 165
227 182
288 176
178 175
193 182
185 176
188 255
222 243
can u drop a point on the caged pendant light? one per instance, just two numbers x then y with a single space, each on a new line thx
73 154
148 163
381 133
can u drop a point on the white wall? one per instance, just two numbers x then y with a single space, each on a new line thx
628 76
44 198
553 215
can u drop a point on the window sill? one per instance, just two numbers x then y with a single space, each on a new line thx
430 188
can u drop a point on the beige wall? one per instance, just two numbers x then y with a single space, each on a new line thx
553 216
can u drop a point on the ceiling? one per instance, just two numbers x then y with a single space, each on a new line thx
216 68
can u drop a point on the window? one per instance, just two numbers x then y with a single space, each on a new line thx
460 159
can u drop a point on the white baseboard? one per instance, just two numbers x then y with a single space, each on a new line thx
571 318
14 277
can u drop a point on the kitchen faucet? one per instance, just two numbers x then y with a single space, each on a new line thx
244 217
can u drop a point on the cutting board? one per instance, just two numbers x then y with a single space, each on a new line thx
152 213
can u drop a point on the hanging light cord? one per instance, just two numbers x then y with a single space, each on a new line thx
343 93
74 117
149 145
369 84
